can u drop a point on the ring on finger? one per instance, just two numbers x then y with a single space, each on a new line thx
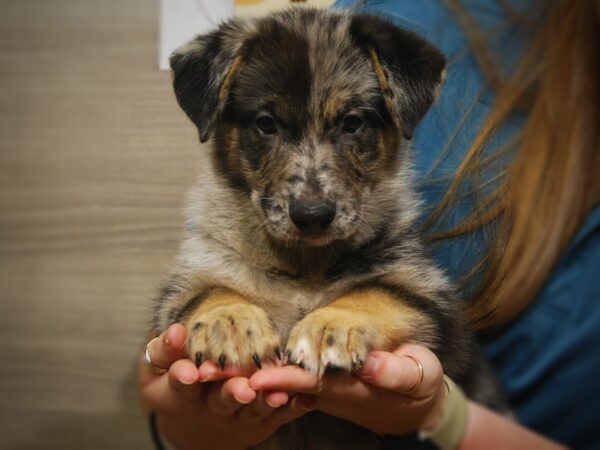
157 370
420 369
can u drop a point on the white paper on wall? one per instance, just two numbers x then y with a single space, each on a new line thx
181 20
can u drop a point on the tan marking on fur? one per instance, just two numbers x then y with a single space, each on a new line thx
231 328
233 144
389 145
226 85
393 318
333 103
385 86
384 151
344 332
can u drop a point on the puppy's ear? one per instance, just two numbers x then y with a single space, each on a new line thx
409 69
203 71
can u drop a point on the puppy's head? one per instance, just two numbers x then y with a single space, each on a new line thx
308 110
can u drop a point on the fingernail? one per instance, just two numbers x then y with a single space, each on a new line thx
272 405
187 381
243 402
370 367
207 376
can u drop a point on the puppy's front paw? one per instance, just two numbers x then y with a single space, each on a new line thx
234 333
331 339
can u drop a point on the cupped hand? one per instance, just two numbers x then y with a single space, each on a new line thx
388 395
205 407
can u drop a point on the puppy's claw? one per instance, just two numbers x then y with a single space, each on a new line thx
222 361
277 353
256 360
357 365
198 359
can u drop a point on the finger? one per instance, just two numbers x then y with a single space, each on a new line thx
167 391
296 379
210 371
164 350
287 378
276 399
400 371
168 347
226 397
183 379
262 407
297 407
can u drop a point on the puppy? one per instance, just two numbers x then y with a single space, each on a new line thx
301 229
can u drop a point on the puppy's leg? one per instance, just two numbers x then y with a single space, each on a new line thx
340 335
226 328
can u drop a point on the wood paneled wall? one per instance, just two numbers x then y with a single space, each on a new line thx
95 157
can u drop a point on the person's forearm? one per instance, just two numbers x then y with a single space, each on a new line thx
486 429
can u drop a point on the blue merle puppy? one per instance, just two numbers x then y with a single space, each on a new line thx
302 233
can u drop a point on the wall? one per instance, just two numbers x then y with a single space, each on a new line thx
95 157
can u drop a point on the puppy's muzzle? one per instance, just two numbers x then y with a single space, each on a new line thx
312 217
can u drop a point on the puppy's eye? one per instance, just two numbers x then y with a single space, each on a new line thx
352 123
266 124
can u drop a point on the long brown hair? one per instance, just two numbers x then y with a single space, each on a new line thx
554 180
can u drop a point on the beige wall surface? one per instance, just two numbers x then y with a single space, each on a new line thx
95 157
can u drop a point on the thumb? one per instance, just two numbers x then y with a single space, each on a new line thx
163 351
412 370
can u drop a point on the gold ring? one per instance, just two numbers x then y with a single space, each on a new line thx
157 370
420 368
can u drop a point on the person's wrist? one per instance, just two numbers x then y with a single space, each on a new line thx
448 424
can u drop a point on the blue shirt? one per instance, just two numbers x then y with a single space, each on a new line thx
548 359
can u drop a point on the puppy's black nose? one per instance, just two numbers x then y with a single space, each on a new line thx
310 216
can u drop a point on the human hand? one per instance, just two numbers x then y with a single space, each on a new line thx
389 395
221 411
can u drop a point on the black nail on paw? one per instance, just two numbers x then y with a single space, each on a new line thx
222 361
198 359
256 360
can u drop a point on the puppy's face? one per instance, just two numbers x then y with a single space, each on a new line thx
308 112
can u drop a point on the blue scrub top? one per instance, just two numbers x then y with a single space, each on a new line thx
548 359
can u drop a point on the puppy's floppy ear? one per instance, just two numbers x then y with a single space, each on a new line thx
203 71
410 70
